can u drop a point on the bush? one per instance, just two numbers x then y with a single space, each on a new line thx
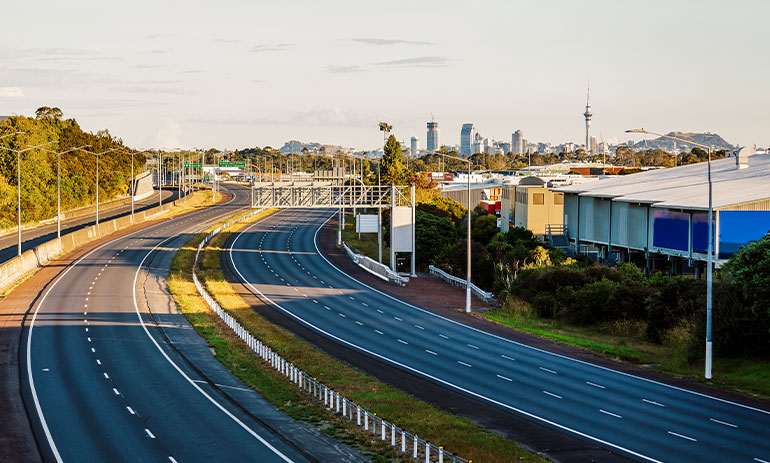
677 298
591 302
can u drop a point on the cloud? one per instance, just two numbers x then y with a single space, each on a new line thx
376 41
11 92
221 40
276 47
155 90
337 69
329 116
418 62
167 135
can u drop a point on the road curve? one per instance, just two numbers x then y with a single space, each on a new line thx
637 417
105 383
39 235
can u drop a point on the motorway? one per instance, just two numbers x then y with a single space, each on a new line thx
112 371
38 235
637 417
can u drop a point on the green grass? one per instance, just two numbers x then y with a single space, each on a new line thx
367 245
626 342
454 433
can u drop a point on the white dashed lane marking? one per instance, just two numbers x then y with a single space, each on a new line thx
610 413
683 436
724 423
552 394
503 377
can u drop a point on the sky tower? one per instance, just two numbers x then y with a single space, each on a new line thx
588 115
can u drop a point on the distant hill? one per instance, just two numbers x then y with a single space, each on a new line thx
295 146
708 139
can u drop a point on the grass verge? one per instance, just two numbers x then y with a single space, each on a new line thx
454 433
367 245
626 342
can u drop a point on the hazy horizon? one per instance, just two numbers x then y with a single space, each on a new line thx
237 74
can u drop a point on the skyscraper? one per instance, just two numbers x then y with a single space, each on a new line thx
432 143
588 115
517 142
415 147
467 134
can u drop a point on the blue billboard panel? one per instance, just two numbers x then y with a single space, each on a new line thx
671 230
700 232
739 228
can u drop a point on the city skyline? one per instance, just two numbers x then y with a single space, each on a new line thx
198 77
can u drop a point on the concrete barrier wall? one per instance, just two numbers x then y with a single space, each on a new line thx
15 269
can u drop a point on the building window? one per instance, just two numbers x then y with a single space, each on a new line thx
558 199
538 199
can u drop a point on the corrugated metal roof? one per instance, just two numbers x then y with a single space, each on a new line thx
686 187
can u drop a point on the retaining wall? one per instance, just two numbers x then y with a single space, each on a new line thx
17 268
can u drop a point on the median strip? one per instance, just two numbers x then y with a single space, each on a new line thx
284 387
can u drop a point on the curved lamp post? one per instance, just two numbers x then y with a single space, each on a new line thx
710 252
468 277
97 177
18 184
58 183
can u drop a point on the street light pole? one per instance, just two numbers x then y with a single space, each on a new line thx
468 276
58 184
709 253
18 186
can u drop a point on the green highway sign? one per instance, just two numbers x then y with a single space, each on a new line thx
206 178
232 163
193 164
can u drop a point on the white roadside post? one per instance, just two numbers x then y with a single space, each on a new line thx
709 252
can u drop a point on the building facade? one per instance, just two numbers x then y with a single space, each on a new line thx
432 140
415 148
467 135
517 142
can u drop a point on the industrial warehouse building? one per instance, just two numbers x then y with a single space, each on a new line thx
531 205
663 213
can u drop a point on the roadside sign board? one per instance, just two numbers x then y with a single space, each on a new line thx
193 164
367 223
232 163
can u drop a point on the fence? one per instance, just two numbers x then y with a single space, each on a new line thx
453 280
333 401
378 269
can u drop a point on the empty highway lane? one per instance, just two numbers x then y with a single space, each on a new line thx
105 383
644 419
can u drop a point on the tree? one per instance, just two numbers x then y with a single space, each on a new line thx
432 235
393 170
45 112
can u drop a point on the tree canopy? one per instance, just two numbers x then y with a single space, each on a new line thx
392 164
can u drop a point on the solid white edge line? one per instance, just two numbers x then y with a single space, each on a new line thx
415 370
33 390
583 362
184 375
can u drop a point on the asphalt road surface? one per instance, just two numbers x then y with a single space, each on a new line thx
38 235
108 375
637 417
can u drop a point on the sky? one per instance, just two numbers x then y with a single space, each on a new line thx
234 74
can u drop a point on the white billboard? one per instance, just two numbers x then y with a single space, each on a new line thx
401 232
367 223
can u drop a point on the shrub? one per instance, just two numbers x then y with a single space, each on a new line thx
591 302
677 298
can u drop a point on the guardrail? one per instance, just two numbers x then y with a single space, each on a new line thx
453 280
333 401
376 268
16 268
